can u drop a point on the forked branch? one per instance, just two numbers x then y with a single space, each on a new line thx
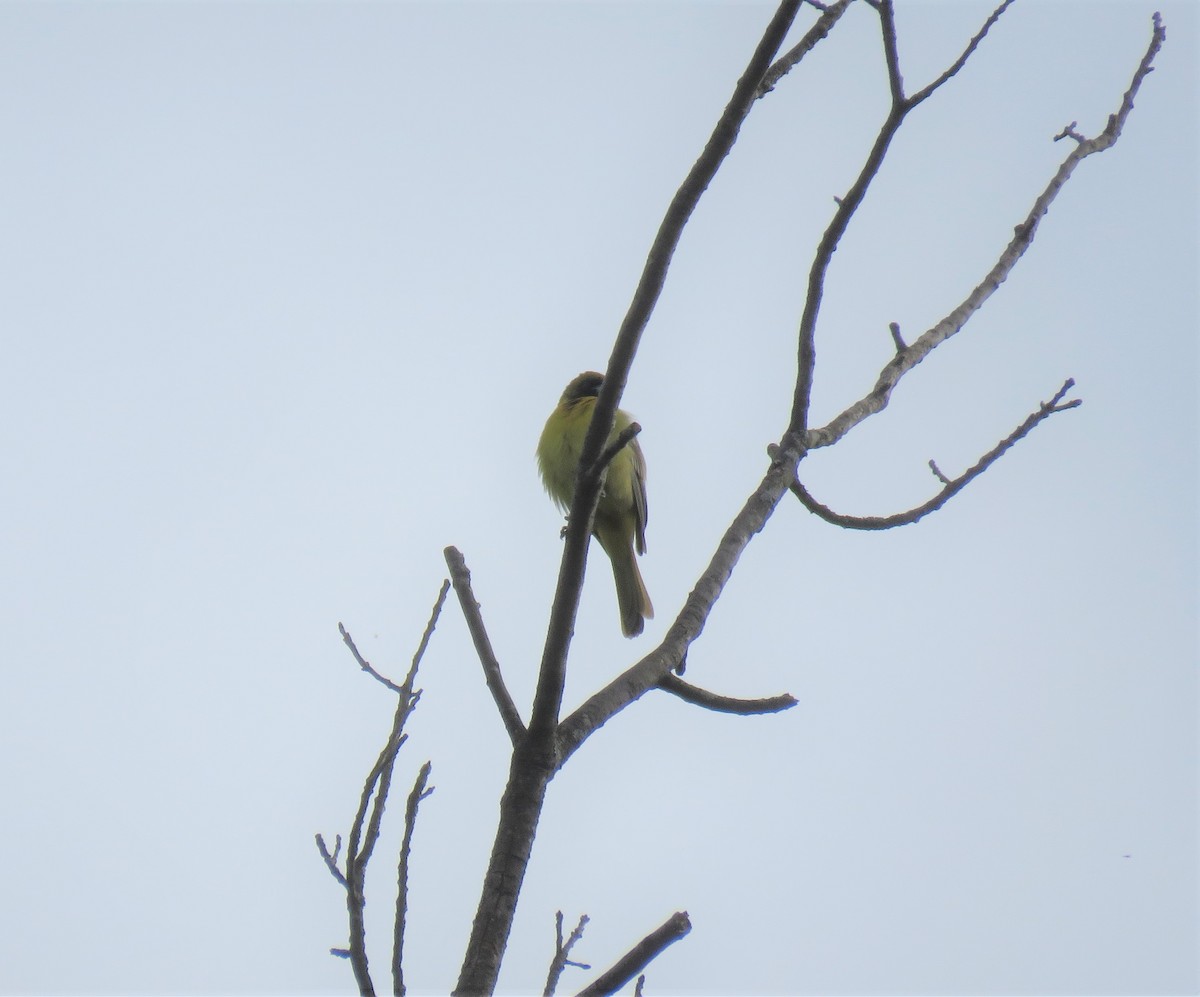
952 486
562 952
364 831
906 359
848 205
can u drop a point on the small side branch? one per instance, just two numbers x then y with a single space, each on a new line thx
364 664
614 448
725 704
637 958
460 575
958 63
418 793
830 15
562 952
331 861
952 486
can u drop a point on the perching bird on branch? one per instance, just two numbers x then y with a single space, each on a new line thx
621 512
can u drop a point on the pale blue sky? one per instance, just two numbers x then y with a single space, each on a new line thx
288 291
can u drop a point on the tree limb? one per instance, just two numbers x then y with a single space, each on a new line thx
958 63
830 15
536 757
331 860
647 673
1023 234
637 958
364 832
461 576
952 485
724 704
849 204
364 664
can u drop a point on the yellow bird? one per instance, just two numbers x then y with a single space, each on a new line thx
621 512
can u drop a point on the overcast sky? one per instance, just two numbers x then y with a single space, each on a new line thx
288 290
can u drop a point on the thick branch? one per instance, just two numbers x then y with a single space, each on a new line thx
1023 235
724 704
461 576
640 956
952 485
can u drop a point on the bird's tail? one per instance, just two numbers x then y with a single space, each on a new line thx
632 597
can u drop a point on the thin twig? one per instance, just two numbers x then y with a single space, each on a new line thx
418 793
952 485
958 63
364 664
461 576
725 704
615 447
331 860
637 958
562 952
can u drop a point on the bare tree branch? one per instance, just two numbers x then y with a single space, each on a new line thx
364 664
1023 236
364 832
418 793
724 704
617 445
958 63
952 485
637 958
536 757
461 577
562 952
331 860
891 54
552 672
847 205
830 15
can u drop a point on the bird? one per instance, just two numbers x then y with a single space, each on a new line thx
620 521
